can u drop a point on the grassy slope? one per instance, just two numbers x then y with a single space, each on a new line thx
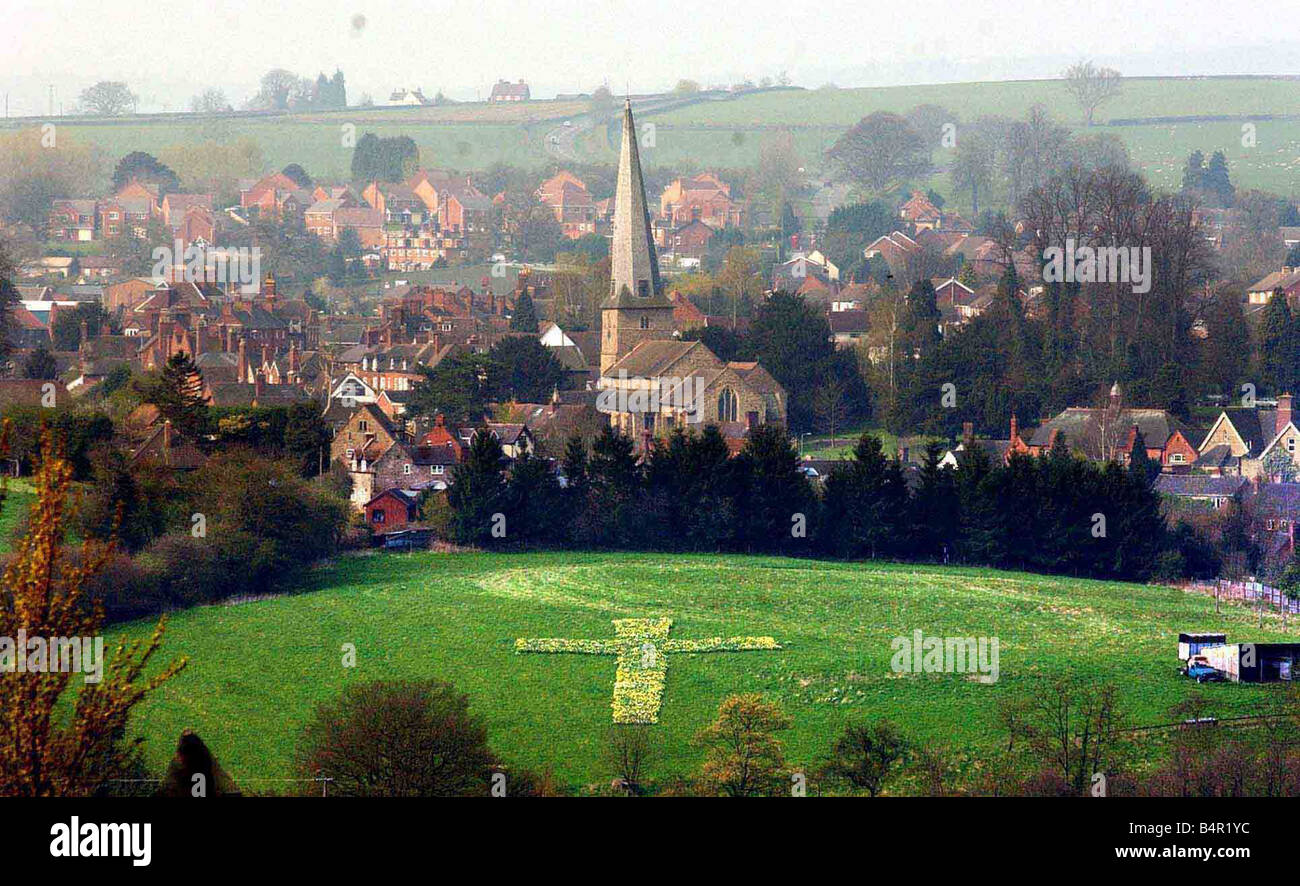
257 668
729 134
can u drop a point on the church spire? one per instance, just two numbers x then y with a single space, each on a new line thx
634 271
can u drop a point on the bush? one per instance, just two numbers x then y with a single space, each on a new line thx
400 739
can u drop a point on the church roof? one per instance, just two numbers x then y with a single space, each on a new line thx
634 268
650 359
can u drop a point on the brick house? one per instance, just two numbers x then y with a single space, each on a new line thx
72 220
567 197
701 198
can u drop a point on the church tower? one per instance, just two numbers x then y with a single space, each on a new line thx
637 309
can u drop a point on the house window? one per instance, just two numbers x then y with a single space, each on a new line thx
406 469
727 405
377 516
436 469
349 453
1269 525
1290 444
363 426
1177 458
645 322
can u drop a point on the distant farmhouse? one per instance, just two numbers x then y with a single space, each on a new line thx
505 91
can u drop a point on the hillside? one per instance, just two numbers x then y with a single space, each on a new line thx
258 667
718 130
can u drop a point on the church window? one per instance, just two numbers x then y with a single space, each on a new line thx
728 408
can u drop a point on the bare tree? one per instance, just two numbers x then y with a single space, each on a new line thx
108 98
1090 86
829 407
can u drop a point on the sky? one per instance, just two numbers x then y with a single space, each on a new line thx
170 50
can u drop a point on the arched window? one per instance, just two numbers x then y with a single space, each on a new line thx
727 405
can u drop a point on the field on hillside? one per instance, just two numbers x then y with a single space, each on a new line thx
258 667
730 133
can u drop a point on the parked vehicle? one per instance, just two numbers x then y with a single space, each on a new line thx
1198 668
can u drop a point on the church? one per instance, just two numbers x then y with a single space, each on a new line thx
652 381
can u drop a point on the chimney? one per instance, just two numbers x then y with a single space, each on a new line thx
293 357
257 385
266 353
968 434
1014 428
242 366
1283 412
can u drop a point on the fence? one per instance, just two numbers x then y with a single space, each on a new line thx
1250 591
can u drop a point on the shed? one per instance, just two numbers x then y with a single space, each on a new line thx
1192 644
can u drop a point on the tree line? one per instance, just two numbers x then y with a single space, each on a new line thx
1057 513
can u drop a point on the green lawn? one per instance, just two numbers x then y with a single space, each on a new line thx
257 668
17 501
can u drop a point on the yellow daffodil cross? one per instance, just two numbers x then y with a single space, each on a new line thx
642 646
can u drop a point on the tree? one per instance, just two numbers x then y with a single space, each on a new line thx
307 438
628 750
142 167
881 152
1070 728
195 772
108 98
829 408
301 179
527 370
386 159
1091 86
210 101
40 364
865 755
68 325
51 745
973 165
398 739
178 394
743 756
1278 345
524 318
477 492
459 387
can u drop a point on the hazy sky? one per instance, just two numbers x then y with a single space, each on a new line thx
169 50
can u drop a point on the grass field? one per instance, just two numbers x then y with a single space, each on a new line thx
730 133
257 668
18 499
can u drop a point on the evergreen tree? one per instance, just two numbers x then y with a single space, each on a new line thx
1279 345
40 364
178 394
524 318
935 515
477 493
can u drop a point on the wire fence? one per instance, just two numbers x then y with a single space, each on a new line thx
1250 592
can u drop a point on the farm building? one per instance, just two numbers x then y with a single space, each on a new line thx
1192 644
1254 662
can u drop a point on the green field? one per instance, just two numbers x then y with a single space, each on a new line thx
18 499
257 668
730 133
